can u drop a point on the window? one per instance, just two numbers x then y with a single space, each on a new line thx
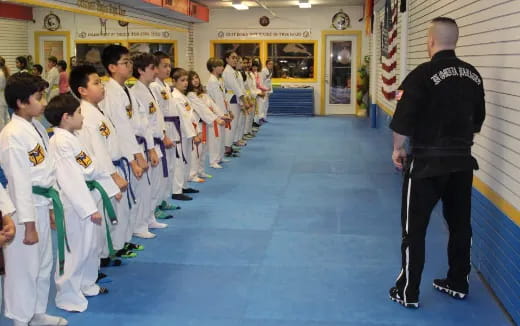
152 47
292 60
90 53
242 49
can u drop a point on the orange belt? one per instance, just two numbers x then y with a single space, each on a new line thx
204 132
215 127
228 124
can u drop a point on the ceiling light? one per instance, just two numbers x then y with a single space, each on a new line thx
304 4
238 5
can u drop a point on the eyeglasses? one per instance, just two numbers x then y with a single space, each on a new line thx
126 62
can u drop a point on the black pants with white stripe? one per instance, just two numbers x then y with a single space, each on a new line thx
418 200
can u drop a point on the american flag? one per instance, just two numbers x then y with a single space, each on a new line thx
389 62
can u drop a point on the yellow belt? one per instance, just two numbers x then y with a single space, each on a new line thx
55 87
230 92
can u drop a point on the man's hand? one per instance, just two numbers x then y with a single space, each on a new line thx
220 122
31 235
121 183
136 169
168 143
141 161
399 158
154 158
96 218
9 230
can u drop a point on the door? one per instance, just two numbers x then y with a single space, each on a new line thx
340 74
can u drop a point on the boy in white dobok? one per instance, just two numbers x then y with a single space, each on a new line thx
162 93
120 107
189 136
100 138
30 171
217 94
150 134
77 175
208 124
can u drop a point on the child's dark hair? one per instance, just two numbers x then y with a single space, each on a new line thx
38 68
58 106
62 64
229 53
198 90
112 54
21 86
23 62
213 63
161 55
53 59
79 77
141 61
178 73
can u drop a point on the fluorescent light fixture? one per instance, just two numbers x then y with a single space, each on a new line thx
304 4
238 5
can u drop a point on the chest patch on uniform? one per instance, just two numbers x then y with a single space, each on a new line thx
165 95
399 94
104 130
83 159
129 111
36 156
151 108
187 106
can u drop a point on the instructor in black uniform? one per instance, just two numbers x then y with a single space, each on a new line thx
440 107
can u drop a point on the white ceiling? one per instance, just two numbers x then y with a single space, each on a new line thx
280 3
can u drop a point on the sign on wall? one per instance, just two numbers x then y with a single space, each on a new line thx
261 34
93 28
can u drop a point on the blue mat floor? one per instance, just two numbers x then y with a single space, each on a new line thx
302 230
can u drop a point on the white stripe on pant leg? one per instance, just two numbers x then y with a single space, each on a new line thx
408 195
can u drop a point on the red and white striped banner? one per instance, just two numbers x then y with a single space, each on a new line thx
389 62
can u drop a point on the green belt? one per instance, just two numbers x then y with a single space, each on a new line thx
108 210
53 194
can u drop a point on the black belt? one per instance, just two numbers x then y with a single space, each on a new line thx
422 152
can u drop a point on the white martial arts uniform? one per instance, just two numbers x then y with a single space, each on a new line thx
27 163
233 94
188 131
216 92
265 78
120 107
53 78
74 166
152 129
243 112
254 92
206 120
99 136
169 111
7 208
4 112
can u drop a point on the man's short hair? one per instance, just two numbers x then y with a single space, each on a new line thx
21 86
58 106
23 62
53 59
178 73
38 68
141 61
112 54
444 20
79 77
213 63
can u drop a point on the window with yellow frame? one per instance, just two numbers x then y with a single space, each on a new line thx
292 60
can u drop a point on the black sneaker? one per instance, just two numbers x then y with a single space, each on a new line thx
106 262
443 285
181 197
100 276
189 191
397 297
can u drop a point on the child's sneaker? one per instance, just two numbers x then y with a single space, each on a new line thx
444 285
397 297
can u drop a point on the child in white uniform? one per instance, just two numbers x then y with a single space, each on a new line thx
7 228
100 138
75 167
189 136
208 124
149 133
162 94
27 164
120 106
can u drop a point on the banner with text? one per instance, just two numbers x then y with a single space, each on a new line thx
260 34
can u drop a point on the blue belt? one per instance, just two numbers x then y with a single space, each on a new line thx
158 141
177 122
122 163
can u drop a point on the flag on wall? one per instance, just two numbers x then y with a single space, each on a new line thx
389 62
369 16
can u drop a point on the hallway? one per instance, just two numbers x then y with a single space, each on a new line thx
303 229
